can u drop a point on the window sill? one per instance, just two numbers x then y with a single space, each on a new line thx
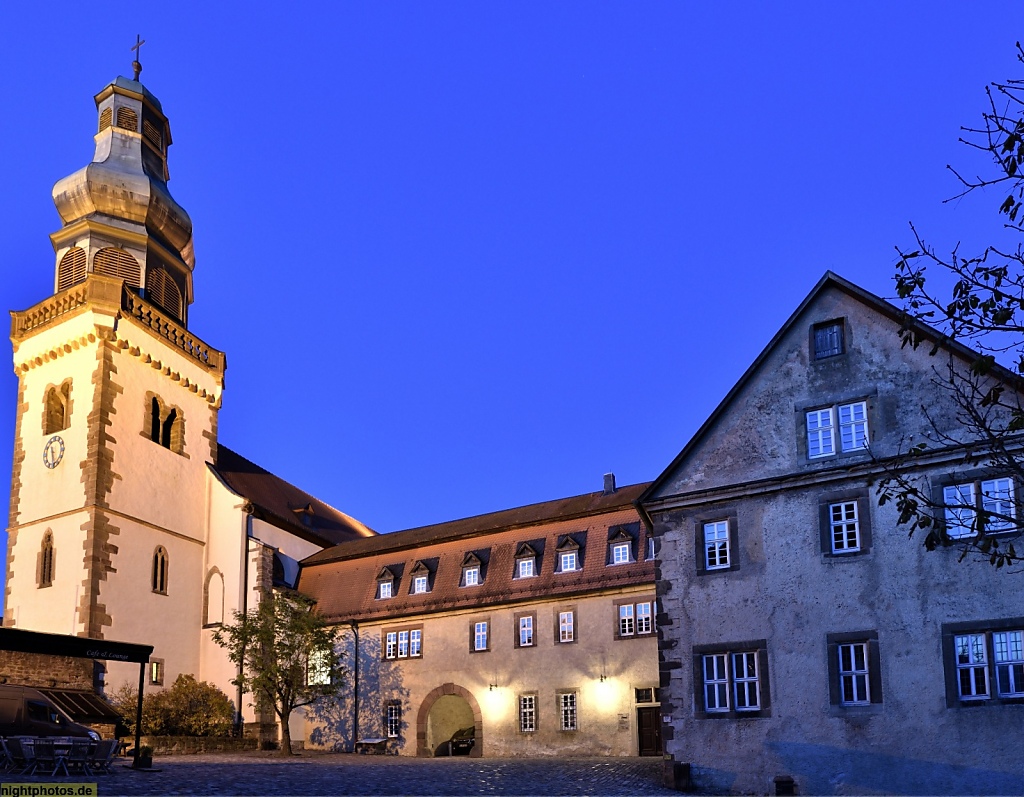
856 712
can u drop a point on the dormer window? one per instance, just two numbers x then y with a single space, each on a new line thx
304 514
385 584
472 570
620 544
421 579
569 555
526 561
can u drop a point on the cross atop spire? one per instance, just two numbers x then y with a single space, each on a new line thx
137 49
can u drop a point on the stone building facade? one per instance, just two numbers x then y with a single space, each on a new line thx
532 627
802 635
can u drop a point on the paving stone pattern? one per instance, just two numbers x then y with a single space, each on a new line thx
314 774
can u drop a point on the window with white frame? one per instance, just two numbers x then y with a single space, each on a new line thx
854 683
854 668
568 561
984 664
526 631
635 619
620 553
384 590
972 666
480 635
732 682
470 576
393 720
567 711
420 584
318 668
716 545
566 626
526 568
845 527
650 548
403 643
527 713
852 428
741 671
985 503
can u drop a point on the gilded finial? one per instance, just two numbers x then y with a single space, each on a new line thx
137 49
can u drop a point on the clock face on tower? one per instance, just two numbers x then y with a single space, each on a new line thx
53 451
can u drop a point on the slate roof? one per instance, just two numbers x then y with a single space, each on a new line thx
343 579
285 505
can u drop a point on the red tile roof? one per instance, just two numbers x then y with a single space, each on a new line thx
343 579
285 505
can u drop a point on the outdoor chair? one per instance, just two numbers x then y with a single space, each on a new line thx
47 758
22 756
102 758
6 759
78 755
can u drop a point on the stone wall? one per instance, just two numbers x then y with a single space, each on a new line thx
192 745
37 670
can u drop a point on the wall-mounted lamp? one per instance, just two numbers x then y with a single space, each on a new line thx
602 677
492 687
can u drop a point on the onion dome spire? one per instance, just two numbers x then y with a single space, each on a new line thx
118 217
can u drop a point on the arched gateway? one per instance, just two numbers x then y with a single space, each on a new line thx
444 710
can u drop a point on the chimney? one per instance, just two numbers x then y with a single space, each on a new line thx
609 483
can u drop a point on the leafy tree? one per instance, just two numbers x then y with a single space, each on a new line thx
286 653
984 311
188 708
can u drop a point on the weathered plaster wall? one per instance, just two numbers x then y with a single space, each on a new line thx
786 591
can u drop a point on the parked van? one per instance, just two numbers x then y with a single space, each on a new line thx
25 711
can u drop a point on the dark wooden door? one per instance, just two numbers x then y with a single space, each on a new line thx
648 725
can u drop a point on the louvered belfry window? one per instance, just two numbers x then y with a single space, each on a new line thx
161 289
106 118
113 262
71 270
127 119
152 132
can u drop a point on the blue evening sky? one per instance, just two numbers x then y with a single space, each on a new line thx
467 256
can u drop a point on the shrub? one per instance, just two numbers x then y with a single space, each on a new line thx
188 708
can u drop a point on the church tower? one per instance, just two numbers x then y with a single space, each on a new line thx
117 406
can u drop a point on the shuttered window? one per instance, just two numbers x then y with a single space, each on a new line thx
112 262
71 270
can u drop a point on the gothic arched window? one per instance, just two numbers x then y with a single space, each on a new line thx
46 560
57 413
213 599
164 425
160 570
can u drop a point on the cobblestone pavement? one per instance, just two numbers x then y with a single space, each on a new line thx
310 773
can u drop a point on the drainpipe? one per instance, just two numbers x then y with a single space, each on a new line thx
247 535
355 686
